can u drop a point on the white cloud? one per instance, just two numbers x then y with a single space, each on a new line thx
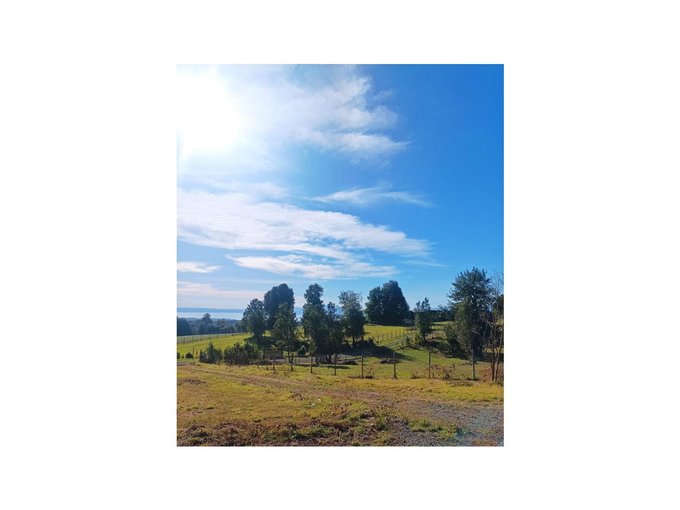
195 267
236 221
307 267
236 119
372 195
191 294
333 244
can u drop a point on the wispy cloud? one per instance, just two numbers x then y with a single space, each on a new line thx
233 119
337 241
373 195
195 267
309 268
206 295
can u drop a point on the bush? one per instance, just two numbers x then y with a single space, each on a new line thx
178 356
212 355
189 355
241 354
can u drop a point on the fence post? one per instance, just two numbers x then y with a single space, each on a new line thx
394 363
474 378
335 364
429 364
310 362
362 366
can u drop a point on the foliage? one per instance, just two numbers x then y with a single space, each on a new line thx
183 327
205 325
254 318
241 354
451 336
470 299
284 332
423 319
211 355
353 319
273 299
314 320
189 355
336 334
386 305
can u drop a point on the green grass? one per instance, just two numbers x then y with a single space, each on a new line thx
254 405
220 343
386 334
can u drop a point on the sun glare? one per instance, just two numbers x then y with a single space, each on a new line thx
208 120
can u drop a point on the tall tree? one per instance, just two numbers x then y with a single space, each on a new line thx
423 321
336 335
471 298
386 305
374 306
205 326
314 321
284 332
254 319
494 331
353 319
183 327
273 299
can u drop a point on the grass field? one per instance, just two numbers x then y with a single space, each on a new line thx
220 342
230 405
274 405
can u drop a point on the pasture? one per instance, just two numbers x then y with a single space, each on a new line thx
279 404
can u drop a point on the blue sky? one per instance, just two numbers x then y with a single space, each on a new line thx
346 176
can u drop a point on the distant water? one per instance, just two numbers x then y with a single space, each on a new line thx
213 315
217 313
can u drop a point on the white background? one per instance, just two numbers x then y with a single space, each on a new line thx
592 217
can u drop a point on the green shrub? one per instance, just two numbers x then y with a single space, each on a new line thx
241 354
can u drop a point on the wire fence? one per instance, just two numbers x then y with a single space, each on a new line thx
377 359
187 339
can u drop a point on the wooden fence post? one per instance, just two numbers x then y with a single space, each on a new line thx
429 364
310 362
362 366
394 364
335 364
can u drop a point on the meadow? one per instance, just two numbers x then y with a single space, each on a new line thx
279 404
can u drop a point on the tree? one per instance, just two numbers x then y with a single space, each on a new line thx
374 306
273 299
493 334
336 334
284 332
470 299
254 320
353 319
423 314
314 321
466 325
205 326
386 305
222 325
183 327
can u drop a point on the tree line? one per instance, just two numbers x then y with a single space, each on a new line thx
206 325
474 316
